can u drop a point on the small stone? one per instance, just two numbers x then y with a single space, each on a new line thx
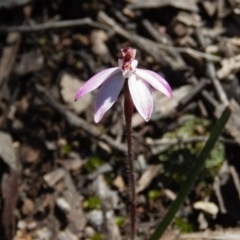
31 155
208 207
67 235
53 177
69 85
73 164
169 194
119 183
21 225
44 234
32 225
28 206
63 205
89 232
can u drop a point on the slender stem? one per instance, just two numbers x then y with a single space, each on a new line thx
128 111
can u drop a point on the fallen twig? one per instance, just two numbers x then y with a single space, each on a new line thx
197 88
206 94
216 83
54 25
161 145
77 122
154 48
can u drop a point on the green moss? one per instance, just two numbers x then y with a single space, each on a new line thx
66 149
119 220
183 225
92 203
42 41
178 159
96 237
154 194
93 163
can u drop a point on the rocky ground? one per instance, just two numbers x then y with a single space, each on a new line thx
63 176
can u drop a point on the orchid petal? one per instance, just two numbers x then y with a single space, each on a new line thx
155 80
95 81
120 63
134 64
141 96
107 95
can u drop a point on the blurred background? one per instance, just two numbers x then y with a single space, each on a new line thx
64 177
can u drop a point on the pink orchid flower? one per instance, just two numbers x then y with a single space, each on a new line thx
112 80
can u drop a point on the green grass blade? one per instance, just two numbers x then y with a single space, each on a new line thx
198 166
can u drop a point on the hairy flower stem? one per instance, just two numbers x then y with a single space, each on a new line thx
128 112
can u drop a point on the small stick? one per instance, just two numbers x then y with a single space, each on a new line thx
196 89
211 72
154 33
151 47
216 83
183 140
206 94
55 25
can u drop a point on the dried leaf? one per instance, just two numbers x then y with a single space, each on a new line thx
233 124
53 177
147 177
119 183
7 153
208 207
229 66
76 218
210 7
98 38
28 206
70 85
189 5
67 235
12 3
30 62
44 234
